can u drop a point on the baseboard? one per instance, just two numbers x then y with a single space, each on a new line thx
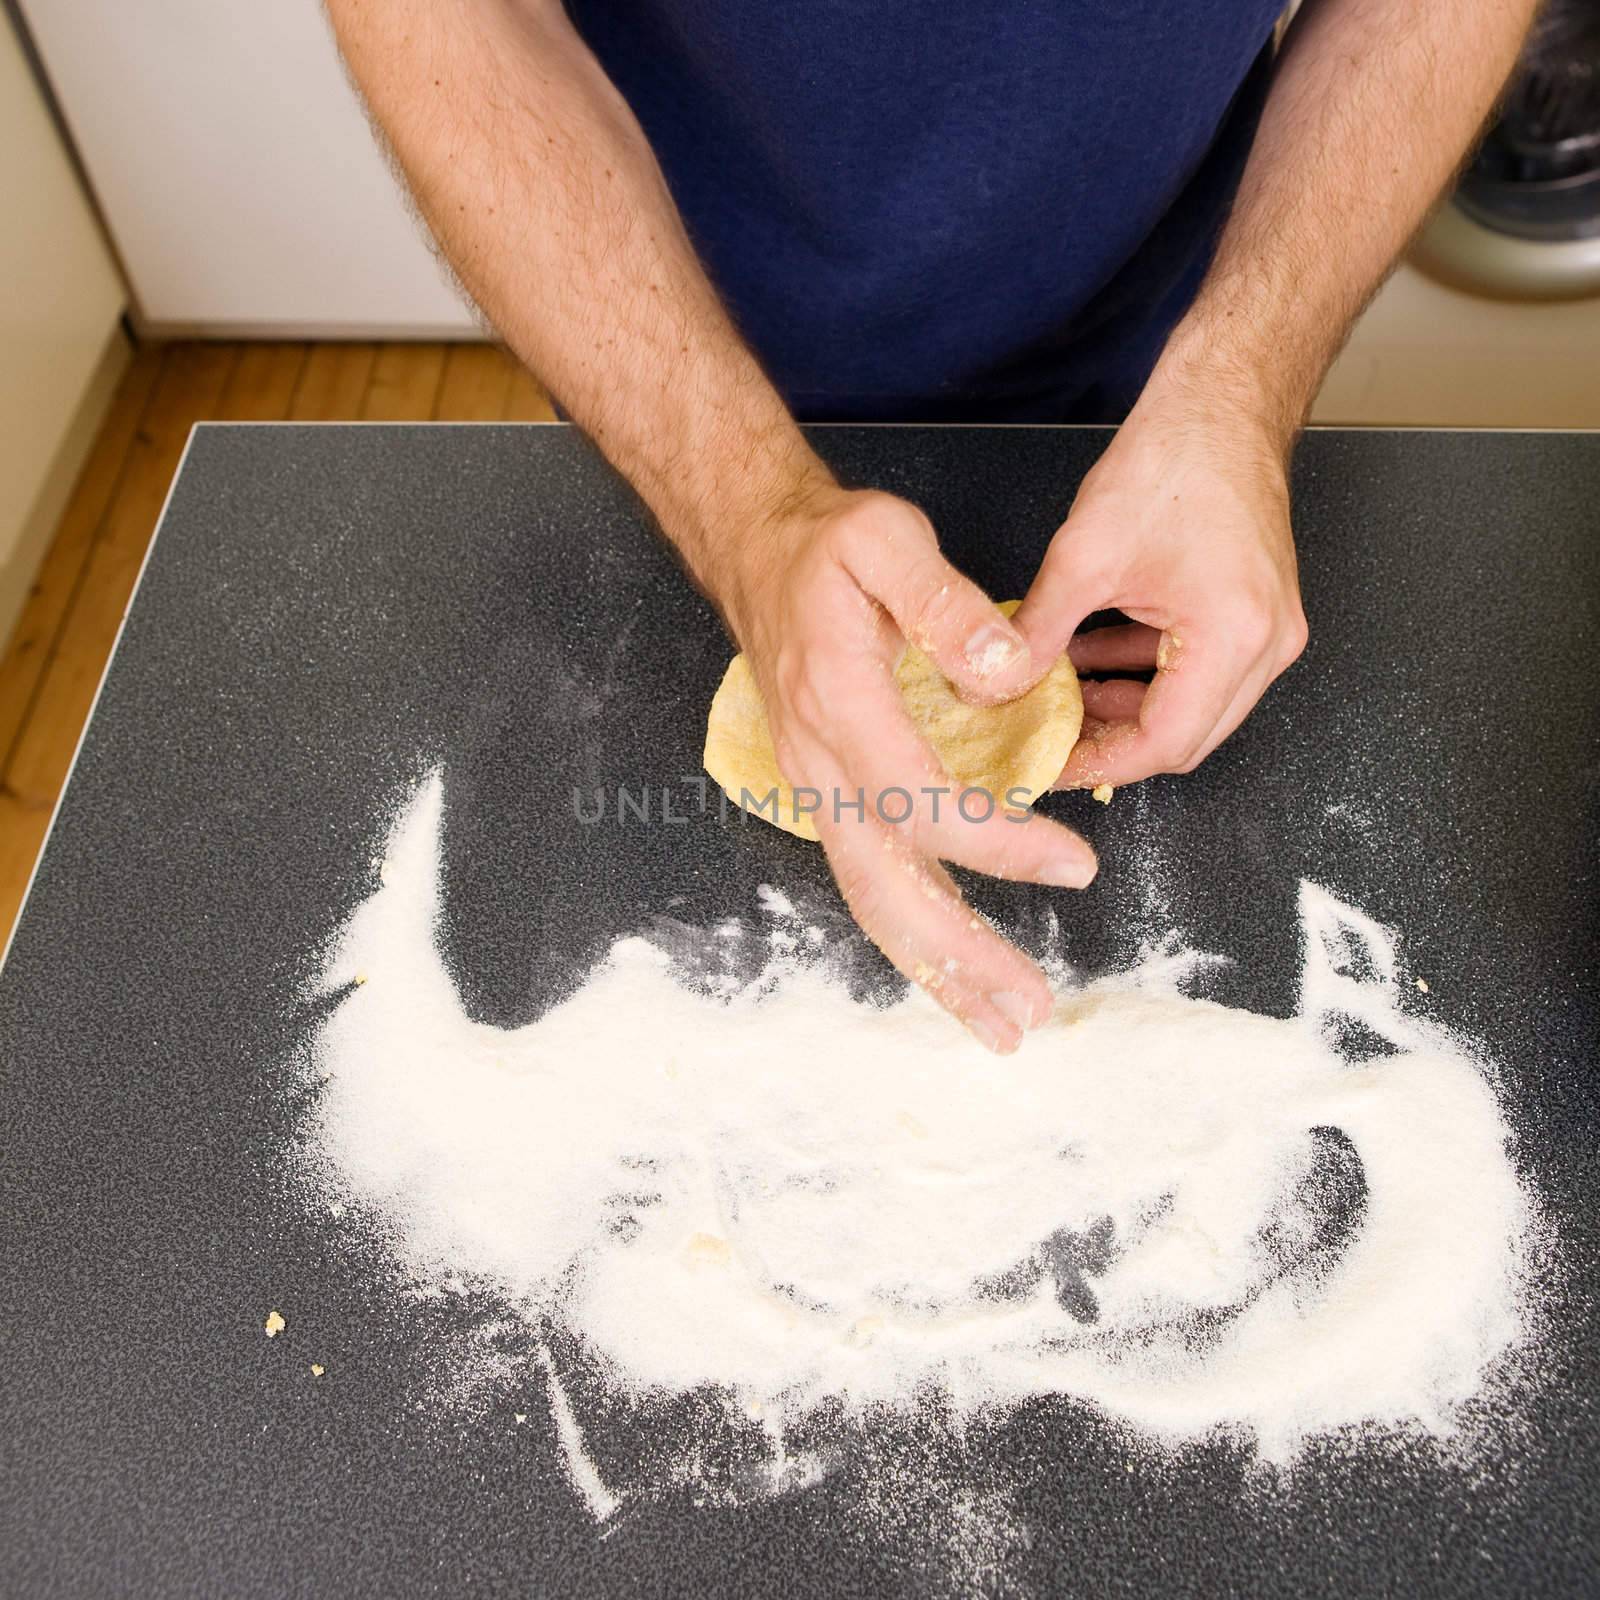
316 332
38 527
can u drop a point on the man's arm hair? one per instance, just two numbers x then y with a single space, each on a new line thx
545 199
1373 104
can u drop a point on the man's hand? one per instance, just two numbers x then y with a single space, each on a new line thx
823 602
1183 525
539 185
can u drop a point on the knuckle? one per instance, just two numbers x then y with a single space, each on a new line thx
923 834
807 702
794 676
1296 637
842 538
783 747
1252 628
788 666
1173 754
861 894
1077 556
874 518
938 596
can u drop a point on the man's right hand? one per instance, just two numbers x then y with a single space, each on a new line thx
823 601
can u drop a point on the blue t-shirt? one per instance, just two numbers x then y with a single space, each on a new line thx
930 210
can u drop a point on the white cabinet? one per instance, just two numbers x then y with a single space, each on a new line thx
236 171
60 308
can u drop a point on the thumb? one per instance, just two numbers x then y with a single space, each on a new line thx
1072 583
896 560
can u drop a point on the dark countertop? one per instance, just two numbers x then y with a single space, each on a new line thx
330 611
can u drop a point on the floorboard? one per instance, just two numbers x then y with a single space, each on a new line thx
333 383
476 384
263 383
405 383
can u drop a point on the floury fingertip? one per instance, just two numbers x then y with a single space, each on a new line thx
993 649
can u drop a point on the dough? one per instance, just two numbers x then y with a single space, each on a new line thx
1020 745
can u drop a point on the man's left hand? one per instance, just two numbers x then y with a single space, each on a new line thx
1182 525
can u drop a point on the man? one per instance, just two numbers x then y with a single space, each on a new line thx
919 209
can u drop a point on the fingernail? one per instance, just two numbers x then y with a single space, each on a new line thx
1013 1007
1069 872
992 649
984 1032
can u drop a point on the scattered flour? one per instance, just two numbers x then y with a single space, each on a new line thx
581 1471
1188 1217
774 901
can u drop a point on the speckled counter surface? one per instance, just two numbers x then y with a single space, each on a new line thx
329 612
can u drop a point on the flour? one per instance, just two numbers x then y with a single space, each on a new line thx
1190 1218
581 1471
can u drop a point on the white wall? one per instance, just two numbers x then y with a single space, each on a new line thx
60 301
235 168
1426 354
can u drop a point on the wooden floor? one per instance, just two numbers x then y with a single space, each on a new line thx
53 662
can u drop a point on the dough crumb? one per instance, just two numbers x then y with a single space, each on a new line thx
275 1324
1103 793
1422 984
706 1249
316 1371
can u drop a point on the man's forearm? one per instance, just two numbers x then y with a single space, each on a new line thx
545 198
1372 107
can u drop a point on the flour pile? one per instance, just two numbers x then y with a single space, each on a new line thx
1188 1217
